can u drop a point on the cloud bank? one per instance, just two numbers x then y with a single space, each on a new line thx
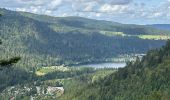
126 11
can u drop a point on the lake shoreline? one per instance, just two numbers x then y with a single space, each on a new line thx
102 65
95 62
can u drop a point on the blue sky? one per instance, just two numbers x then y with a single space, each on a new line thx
124 11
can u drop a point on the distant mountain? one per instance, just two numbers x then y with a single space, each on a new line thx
91 24
44 40
161 26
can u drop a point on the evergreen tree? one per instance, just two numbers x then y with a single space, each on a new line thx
8 63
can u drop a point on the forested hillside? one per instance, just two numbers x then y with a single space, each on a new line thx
41 43
161 26
44 41
146 79
97 25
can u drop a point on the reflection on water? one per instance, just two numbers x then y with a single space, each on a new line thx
104 65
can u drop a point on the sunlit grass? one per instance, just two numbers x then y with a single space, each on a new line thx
110 33
45 70
155 37
39 73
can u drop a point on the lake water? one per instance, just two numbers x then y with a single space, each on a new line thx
104 65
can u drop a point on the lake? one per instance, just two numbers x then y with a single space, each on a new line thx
104 65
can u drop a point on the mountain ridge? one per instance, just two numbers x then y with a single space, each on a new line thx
69 41
161 26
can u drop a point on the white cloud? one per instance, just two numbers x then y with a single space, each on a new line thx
115 2
113 8
90 6
98 14
21 9
99 9
54 4
157 14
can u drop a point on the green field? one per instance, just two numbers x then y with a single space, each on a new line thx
45 70
111 33
155 37
150 36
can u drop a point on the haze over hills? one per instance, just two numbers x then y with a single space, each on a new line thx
161 26
43 40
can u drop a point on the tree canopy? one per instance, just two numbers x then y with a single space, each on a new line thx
8 63
146 79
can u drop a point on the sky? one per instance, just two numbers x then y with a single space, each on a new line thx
123 11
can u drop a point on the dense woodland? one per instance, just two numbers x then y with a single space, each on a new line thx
146 79
31 41
8 75
44 41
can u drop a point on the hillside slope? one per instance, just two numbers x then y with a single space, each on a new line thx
97 25
147 79
161 26
44 41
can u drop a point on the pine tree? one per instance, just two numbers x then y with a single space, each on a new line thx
8 63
